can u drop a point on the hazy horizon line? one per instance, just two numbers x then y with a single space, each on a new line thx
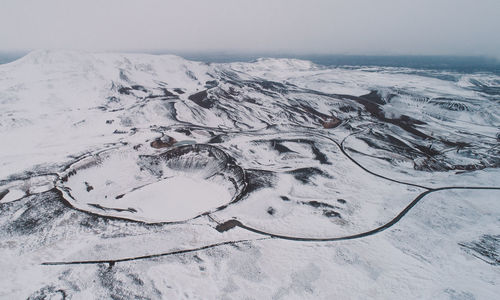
254 53
456 63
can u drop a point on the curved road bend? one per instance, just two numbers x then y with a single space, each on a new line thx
235 223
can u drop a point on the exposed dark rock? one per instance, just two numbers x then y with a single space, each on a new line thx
347 109
372 103
48 292
185 131
278 146
3 193
124 90
103 208
272 85
88 187
211 84
319 156
202 99
317 204
487 248
431 164
271 210
191 75
327 121
428 150
259 179
331 214
113 99
38 214
216 140
139 88
167 93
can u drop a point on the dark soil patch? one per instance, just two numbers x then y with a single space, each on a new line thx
163 142
228 225
304 174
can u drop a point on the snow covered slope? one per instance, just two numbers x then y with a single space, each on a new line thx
128 175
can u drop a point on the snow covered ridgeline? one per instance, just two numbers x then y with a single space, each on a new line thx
68 105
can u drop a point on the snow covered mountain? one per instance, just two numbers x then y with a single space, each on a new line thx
144 176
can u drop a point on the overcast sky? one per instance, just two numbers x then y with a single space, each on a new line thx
459 27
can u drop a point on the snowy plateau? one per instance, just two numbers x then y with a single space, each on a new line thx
130 176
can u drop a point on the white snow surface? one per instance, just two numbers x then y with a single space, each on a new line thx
110 160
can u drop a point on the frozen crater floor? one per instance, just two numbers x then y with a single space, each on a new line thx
131 176
177 185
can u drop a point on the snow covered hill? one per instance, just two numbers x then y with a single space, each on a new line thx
130 175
